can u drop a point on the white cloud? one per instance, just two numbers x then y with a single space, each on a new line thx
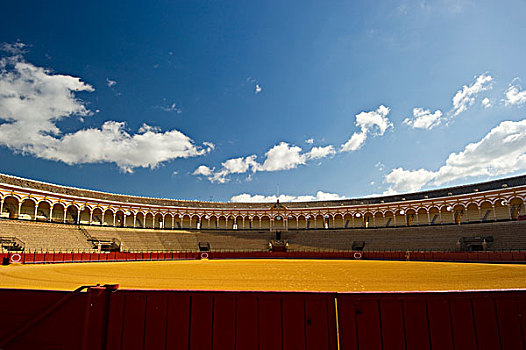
372 122
240 165
514 94
354 143
33 100
203 170
407 180
14 49
320 152
502 151
380 166
258 89
110 82
424 119
309 141
486 103
465 97
282 156
258 198
209 146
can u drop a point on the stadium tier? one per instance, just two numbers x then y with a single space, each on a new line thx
484 216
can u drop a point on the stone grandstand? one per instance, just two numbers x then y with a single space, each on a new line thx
47 217
63 237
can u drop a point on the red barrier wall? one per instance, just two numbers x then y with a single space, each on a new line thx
495 257
126 319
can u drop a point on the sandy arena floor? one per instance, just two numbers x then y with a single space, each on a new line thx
276 275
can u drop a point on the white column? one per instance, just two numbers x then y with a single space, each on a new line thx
90 216
36 208
494 212
1 205
134 219
50 213
65 211
19 209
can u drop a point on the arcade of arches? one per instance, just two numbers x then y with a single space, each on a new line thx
29 204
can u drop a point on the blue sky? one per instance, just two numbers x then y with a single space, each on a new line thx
229 100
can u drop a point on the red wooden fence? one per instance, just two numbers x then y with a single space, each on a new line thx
51 257
127 319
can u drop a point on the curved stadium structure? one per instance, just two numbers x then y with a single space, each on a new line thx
45 229
482 216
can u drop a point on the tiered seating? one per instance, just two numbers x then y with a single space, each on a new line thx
507 236
45 236
236 240
147 239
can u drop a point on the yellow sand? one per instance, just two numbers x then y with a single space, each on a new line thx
290 275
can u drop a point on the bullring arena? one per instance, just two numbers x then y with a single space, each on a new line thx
436 269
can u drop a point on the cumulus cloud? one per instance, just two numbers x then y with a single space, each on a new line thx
258 198
282 156
33 100
502 151
514 94
486 103
320 152
372 122
203 170
465 97
258 89
309 141
424 119
402 180
234 166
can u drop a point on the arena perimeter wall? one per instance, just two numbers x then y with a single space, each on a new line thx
108 318
49 258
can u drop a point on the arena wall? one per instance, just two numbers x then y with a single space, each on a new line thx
127 319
